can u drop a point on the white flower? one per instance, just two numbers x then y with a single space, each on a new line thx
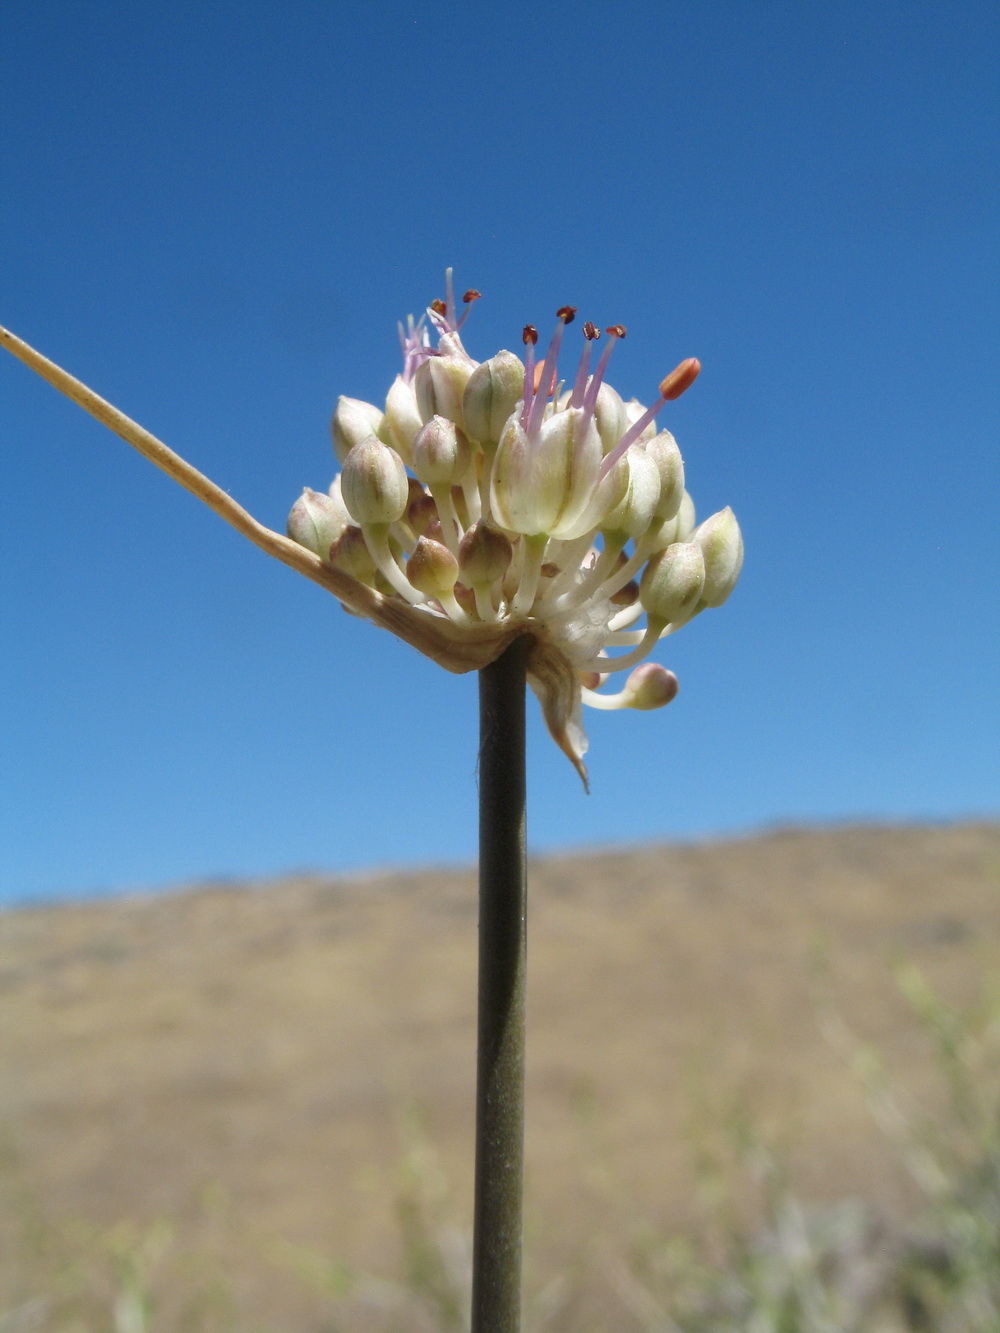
534 509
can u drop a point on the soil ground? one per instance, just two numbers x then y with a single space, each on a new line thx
273 1066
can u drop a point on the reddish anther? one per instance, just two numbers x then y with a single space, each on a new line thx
438 306
591 331
567 313
617 329
681 378
471 295
529 334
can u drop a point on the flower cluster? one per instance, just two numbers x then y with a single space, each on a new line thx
491 499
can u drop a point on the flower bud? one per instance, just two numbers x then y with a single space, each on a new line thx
337 496
439 385
634 513
374 483
635 411
423 511
721 545
431 568
466 598
493 392
671 584
441 453
610 416
414 491
353 421
662 449
649 686
685 518
316 521
626 596
484 555
402 417
350 553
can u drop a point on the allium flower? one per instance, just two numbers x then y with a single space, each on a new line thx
489 500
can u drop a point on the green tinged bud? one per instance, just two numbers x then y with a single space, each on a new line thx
402 417
422 512
662 449
649 686
685 518
439 385
610 416
316 521
431 568
441 453
671 584
350 554
633 515
374 483
353 421
721 545
484 555
494 390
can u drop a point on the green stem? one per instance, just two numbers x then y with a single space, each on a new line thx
496 1252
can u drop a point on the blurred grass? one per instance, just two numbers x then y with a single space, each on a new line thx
762 1259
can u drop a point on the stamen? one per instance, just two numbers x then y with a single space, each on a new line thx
415 343
470 296
591 333
449 296
439 307
564 315
614 332
529 337
679 379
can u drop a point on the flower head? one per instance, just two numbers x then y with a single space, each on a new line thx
494 499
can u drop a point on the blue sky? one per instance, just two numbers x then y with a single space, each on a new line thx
215 213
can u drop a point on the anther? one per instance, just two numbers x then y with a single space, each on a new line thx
438 306
681 378
537 378
471 295
618 330
591 331
566 313
529 334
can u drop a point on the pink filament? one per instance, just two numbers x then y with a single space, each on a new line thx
630 437
547 381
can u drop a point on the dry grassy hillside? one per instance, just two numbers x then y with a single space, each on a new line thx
250 1064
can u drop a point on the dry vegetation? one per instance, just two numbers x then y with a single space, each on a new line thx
250 1107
